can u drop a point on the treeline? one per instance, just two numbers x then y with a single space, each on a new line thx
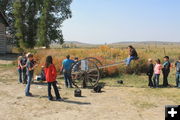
36 22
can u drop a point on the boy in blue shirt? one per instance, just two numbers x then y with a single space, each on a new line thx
30 71
66 69
177 65
166 70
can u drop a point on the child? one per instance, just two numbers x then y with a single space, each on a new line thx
157 71
66 69
30 71
51 73
43 77
19 69
23 68
150 72
166 70
177 64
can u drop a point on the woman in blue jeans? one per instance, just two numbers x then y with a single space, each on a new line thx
132 55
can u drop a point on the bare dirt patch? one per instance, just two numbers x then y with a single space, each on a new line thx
115 103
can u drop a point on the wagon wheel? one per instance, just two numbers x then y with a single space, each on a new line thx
95 60
85 73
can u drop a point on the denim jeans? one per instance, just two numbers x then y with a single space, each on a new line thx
178 80
156 80
68 80
55 90
29 76
128 60
24 75
20 75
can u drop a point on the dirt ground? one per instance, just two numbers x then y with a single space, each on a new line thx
114 103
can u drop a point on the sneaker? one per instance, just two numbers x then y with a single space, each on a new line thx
51 99
29 95
59 99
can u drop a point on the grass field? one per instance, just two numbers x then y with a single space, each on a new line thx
133 99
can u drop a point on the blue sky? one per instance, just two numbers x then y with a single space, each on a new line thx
108 21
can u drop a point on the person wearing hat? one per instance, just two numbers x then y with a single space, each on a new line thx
166 71
66 69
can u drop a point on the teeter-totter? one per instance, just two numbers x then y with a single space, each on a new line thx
87 72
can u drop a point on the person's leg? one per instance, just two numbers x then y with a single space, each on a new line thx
27 93
154 80
69 80
56 90
167 78
24 76
49 91
66 80
150 81
20 75
164 81
129 60
178 79
157 80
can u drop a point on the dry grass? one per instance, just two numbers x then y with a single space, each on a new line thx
110 55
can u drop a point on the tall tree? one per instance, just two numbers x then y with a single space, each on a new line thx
53 13
19 23
4 5
31 23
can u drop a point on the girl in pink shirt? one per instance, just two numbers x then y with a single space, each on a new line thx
157 71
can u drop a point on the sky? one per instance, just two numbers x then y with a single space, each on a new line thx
110 21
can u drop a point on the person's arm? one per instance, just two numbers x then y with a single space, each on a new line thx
62 67
175 64
130 52
32 68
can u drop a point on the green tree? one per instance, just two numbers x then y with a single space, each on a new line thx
31 23
53 13
19 23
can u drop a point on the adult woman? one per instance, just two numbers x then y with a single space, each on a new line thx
132 55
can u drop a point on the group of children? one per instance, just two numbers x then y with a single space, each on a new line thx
155 71
26 66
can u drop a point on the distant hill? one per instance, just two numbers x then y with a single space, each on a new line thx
76 44
128 42
146 42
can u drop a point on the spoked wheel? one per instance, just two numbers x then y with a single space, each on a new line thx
85 73
95 60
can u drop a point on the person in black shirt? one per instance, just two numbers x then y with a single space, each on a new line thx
150 71
166 70
132 55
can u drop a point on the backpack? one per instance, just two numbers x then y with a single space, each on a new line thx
178 66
